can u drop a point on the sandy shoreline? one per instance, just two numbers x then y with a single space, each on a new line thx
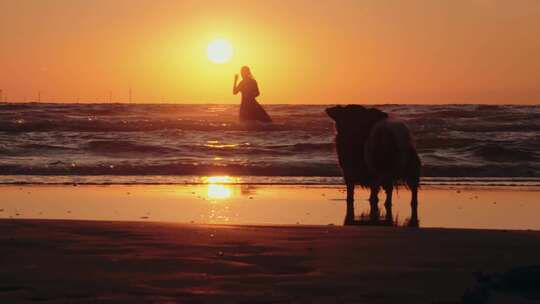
127 262
133 244
440 206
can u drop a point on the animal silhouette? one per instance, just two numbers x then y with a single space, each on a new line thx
375 152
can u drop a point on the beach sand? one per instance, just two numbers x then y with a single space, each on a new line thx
135 244
134 262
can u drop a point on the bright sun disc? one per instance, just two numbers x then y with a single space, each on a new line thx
219 51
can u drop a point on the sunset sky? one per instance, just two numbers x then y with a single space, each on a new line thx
300 51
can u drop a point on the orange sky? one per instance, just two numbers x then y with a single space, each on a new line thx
300 51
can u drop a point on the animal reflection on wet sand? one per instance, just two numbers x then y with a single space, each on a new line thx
375 218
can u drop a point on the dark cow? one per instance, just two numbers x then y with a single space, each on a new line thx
375 151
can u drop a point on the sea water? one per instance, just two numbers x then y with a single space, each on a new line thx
180 143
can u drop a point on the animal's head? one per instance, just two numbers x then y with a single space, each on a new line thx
352 118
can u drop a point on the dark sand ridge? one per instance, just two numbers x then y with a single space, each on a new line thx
133 262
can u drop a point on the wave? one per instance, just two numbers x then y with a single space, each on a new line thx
500 153
306 147
44 147
482 170
94 125
509 127
428 142
174 168
522 183
122 146
261 169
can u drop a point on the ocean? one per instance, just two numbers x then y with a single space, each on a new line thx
179 143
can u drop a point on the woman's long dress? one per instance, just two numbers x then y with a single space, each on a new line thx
250 109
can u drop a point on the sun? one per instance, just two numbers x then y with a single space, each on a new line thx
219 51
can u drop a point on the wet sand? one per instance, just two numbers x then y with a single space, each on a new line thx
440 206
66 261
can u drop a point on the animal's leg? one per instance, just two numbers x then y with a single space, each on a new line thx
349 216
414 182
414 206
374 212
388 189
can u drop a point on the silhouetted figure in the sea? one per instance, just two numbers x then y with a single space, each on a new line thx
375 152
250 109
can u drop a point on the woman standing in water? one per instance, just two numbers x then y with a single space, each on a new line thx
250 109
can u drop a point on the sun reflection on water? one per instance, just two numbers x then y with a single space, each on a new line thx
216 144
218 188
219 191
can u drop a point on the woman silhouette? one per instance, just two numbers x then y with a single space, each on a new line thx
250 109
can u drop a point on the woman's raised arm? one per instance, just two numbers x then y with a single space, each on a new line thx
236 87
